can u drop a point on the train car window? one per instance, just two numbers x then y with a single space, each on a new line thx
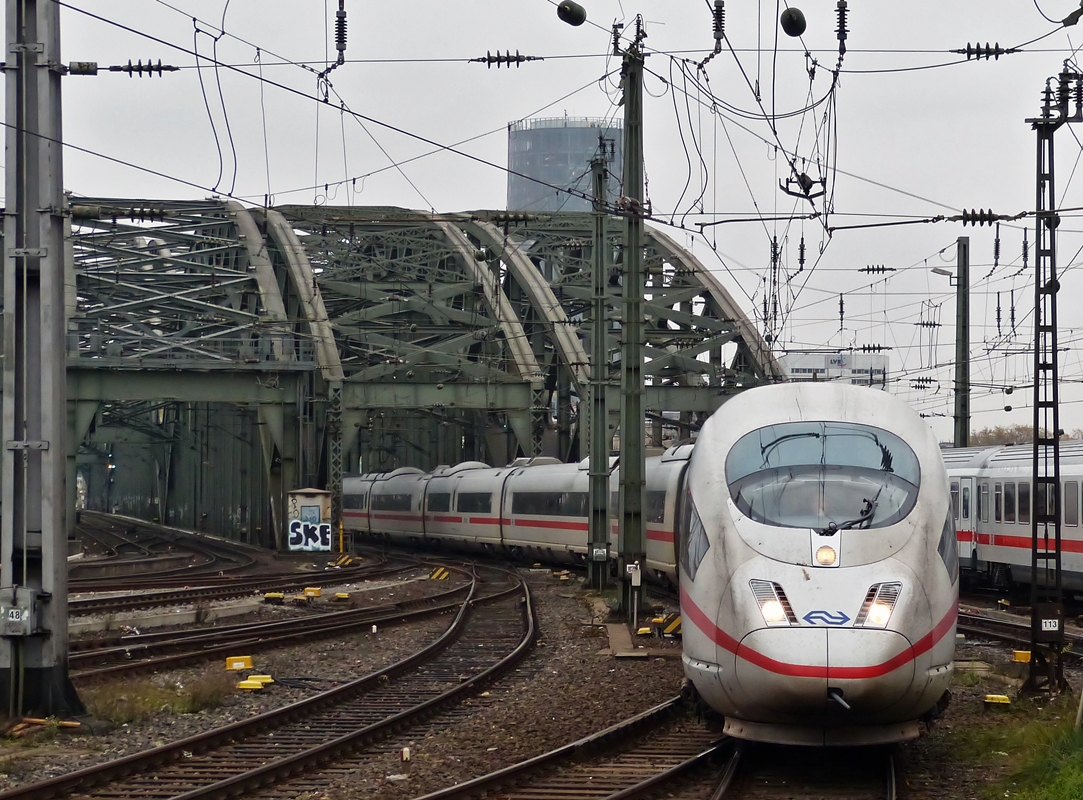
1071 503
998 502
1024 502
439 501
955 499
966 502
392 502
983 502
1043 499
656 507
1009 502
550 504
474 502
824 475
694 536
353 502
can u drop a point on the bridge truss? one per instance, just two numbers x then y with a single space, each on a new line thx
220 356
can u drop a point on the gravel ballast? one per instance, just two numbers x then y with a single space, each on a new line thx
569 687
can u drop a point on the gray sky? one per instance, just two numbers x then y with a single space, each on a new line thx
906 140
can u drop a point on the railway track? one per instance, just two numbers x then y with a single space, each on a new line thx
141 652
1011 632
219 588
633 758
757 771
493 629
154 550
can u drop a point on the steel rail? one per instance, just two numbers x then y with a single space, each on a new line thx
259 636
222 750
282 769
1004 630
269 721
693 752
236 588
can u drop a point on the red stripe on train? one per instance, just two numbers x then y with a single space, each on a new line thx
551 523
692 613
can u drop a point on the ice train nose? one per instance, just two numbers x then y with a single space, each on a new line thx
807 671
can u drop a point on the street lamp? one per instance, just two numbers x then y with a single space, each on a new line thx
961 282
947 272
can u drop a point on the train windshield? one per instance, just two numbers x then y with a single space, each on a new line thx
824 475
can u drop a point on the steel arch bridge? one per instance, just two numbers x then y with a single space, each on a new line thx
281 347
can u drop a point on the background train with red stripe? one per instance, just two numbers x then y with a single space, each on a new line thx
992 504
533 508
818 567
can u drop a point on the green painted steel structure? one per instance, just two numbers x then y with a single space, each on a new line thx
220 356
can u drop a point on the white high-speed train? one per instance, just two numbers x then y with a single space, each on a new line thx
818 566
817 559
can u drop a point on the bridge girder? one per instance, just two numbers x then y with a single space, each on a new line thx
374 336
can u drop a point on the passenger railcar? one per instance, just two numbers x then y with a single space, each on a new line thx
533 508
818 566
993 502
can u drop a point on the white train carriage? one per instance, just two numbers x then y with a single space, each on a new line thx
662 504
818 567
533 508
462 505
545 510
394 502
993 503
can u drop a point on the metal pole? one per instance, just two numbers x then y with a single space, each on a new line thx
1047 601
962 343
33 530
599 353
632 536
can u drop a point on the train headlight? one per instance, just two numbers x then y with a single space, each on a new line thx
773 613
825 556
773 604
879 602
879 614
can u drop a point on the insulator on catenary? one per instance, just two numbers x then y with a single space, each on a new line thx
986 51
978 217
842 30
506 58
139 68
719 24
996 248
801 254
340 28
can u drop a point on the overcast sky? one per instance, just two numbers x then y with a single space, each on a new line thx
910 131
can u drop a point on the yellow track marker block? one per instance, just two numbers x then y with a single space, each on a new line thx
997 700
1021 656
250 686
264 679
238 663
276 598
312 591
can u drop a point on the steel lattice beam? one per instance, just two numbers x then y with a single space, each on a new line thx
394 336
